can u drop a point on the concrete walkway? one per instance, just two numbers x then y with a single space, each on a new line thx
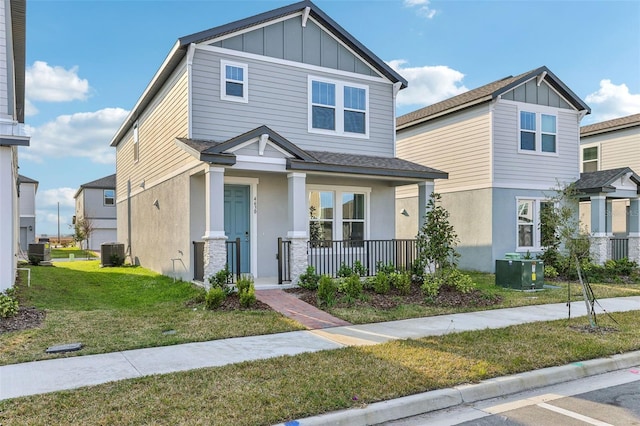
73 372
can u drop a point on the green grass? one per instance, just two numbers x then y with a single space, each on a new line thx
486 283
280 389
64 252
114 309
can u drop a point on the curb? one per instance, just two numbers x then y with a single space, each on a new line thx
414 405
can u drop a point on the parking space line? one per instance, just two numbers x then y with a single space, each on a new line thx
571 414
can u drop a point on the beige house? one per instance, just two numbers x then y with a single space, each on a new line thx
611 150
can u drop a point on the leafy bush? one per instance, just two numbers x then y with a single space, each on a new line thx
214 298
309 279
550 272
8 305
401 281
222 280
246 291
431 284
344 271
381 283
327 291
359 269
624 267
461 282
352 287
388 268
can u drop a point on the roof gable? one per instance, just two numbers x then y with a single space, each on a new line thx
611 125
608 181
490 92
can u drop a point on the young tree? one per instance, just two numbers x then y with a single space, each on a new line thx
437 240
83 229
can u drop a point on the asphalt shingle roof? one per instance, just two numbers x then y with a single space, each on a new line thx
106 182
602 180
610 125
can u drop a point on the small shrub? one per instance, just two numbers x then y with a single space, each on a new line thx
461 282
115 259
431 284
8 306
309 280
381 283
401 281
245 282
352 286
222 280
214 298
327 291
246 291
359 269
550 272
388 268
344 271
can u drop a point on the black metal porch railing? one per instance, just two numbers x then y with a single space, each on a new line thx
328 256
284 261
233 259
619 248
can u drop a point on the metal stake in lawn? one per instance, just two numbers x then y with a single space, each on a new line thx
586 292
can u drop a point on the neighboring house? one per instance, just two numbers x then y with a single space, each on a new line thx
257 130
96 203
12 132
506 146
27 195
610 161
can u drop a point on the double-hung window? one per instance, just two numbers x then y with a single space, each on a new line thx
338 108
538 132
590 159
347 222
529 222
233 81
109 197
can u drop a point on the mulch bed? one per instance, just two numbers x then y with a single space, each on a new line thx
447 297
25 319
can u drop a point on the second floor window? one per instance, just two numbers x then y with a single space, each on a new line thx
590 159
338 108
538 132
233 81
109 197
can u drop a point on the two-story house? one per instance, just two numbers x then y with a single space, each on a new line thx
12 132
96 203
506 146
256 130
610 161
27 195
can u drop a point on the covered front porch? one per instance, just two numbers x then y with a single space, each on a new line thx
610 212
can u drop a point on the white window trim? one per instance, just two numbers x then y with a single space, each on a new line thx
597 160
339 108
223 81
538 110
337 210
537 246
136 142
104 198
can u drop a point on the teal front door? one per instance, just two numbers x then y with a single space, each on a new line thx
236 224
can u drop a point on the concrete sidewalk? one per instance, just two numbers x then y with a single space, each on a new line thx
73 372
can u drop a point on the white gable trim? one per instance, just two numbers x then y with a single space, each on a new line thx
257 140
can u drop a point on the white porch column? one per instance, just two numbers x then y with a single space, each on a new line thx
634 229
599 236
215 250
425 189
298 223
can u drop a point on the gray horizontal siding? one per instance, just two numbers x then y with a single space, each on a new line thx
278 98
531 93
512 167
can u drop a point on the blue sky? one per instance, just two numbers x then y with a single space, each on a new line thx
89 61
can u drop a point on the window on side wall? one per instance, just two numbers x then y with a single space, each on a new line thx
529 223
538 132
338 108
234 81
590 159
109 197
345 223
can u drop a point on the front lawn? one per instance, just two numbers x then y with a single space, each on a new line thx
64 252
291 387
120 308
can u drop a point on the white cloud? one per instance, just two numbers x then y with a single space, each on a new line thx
612 101
83 134
427 84
423 8
51 197
54 84
29 109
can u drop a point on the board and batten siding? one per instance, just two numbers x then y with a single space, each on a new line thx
617 149
278 98
458 144
165 119
525 169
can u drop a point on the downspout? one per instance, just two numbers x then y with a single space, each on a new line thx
129 221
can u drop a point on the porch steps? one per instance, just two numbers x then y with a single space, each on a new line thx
292 307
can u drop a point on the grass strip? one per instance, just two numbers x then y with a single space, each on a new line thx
286 388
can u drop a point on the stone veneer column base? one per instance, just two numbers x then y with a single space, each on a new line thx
634 249
599 250
215 257
299 259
